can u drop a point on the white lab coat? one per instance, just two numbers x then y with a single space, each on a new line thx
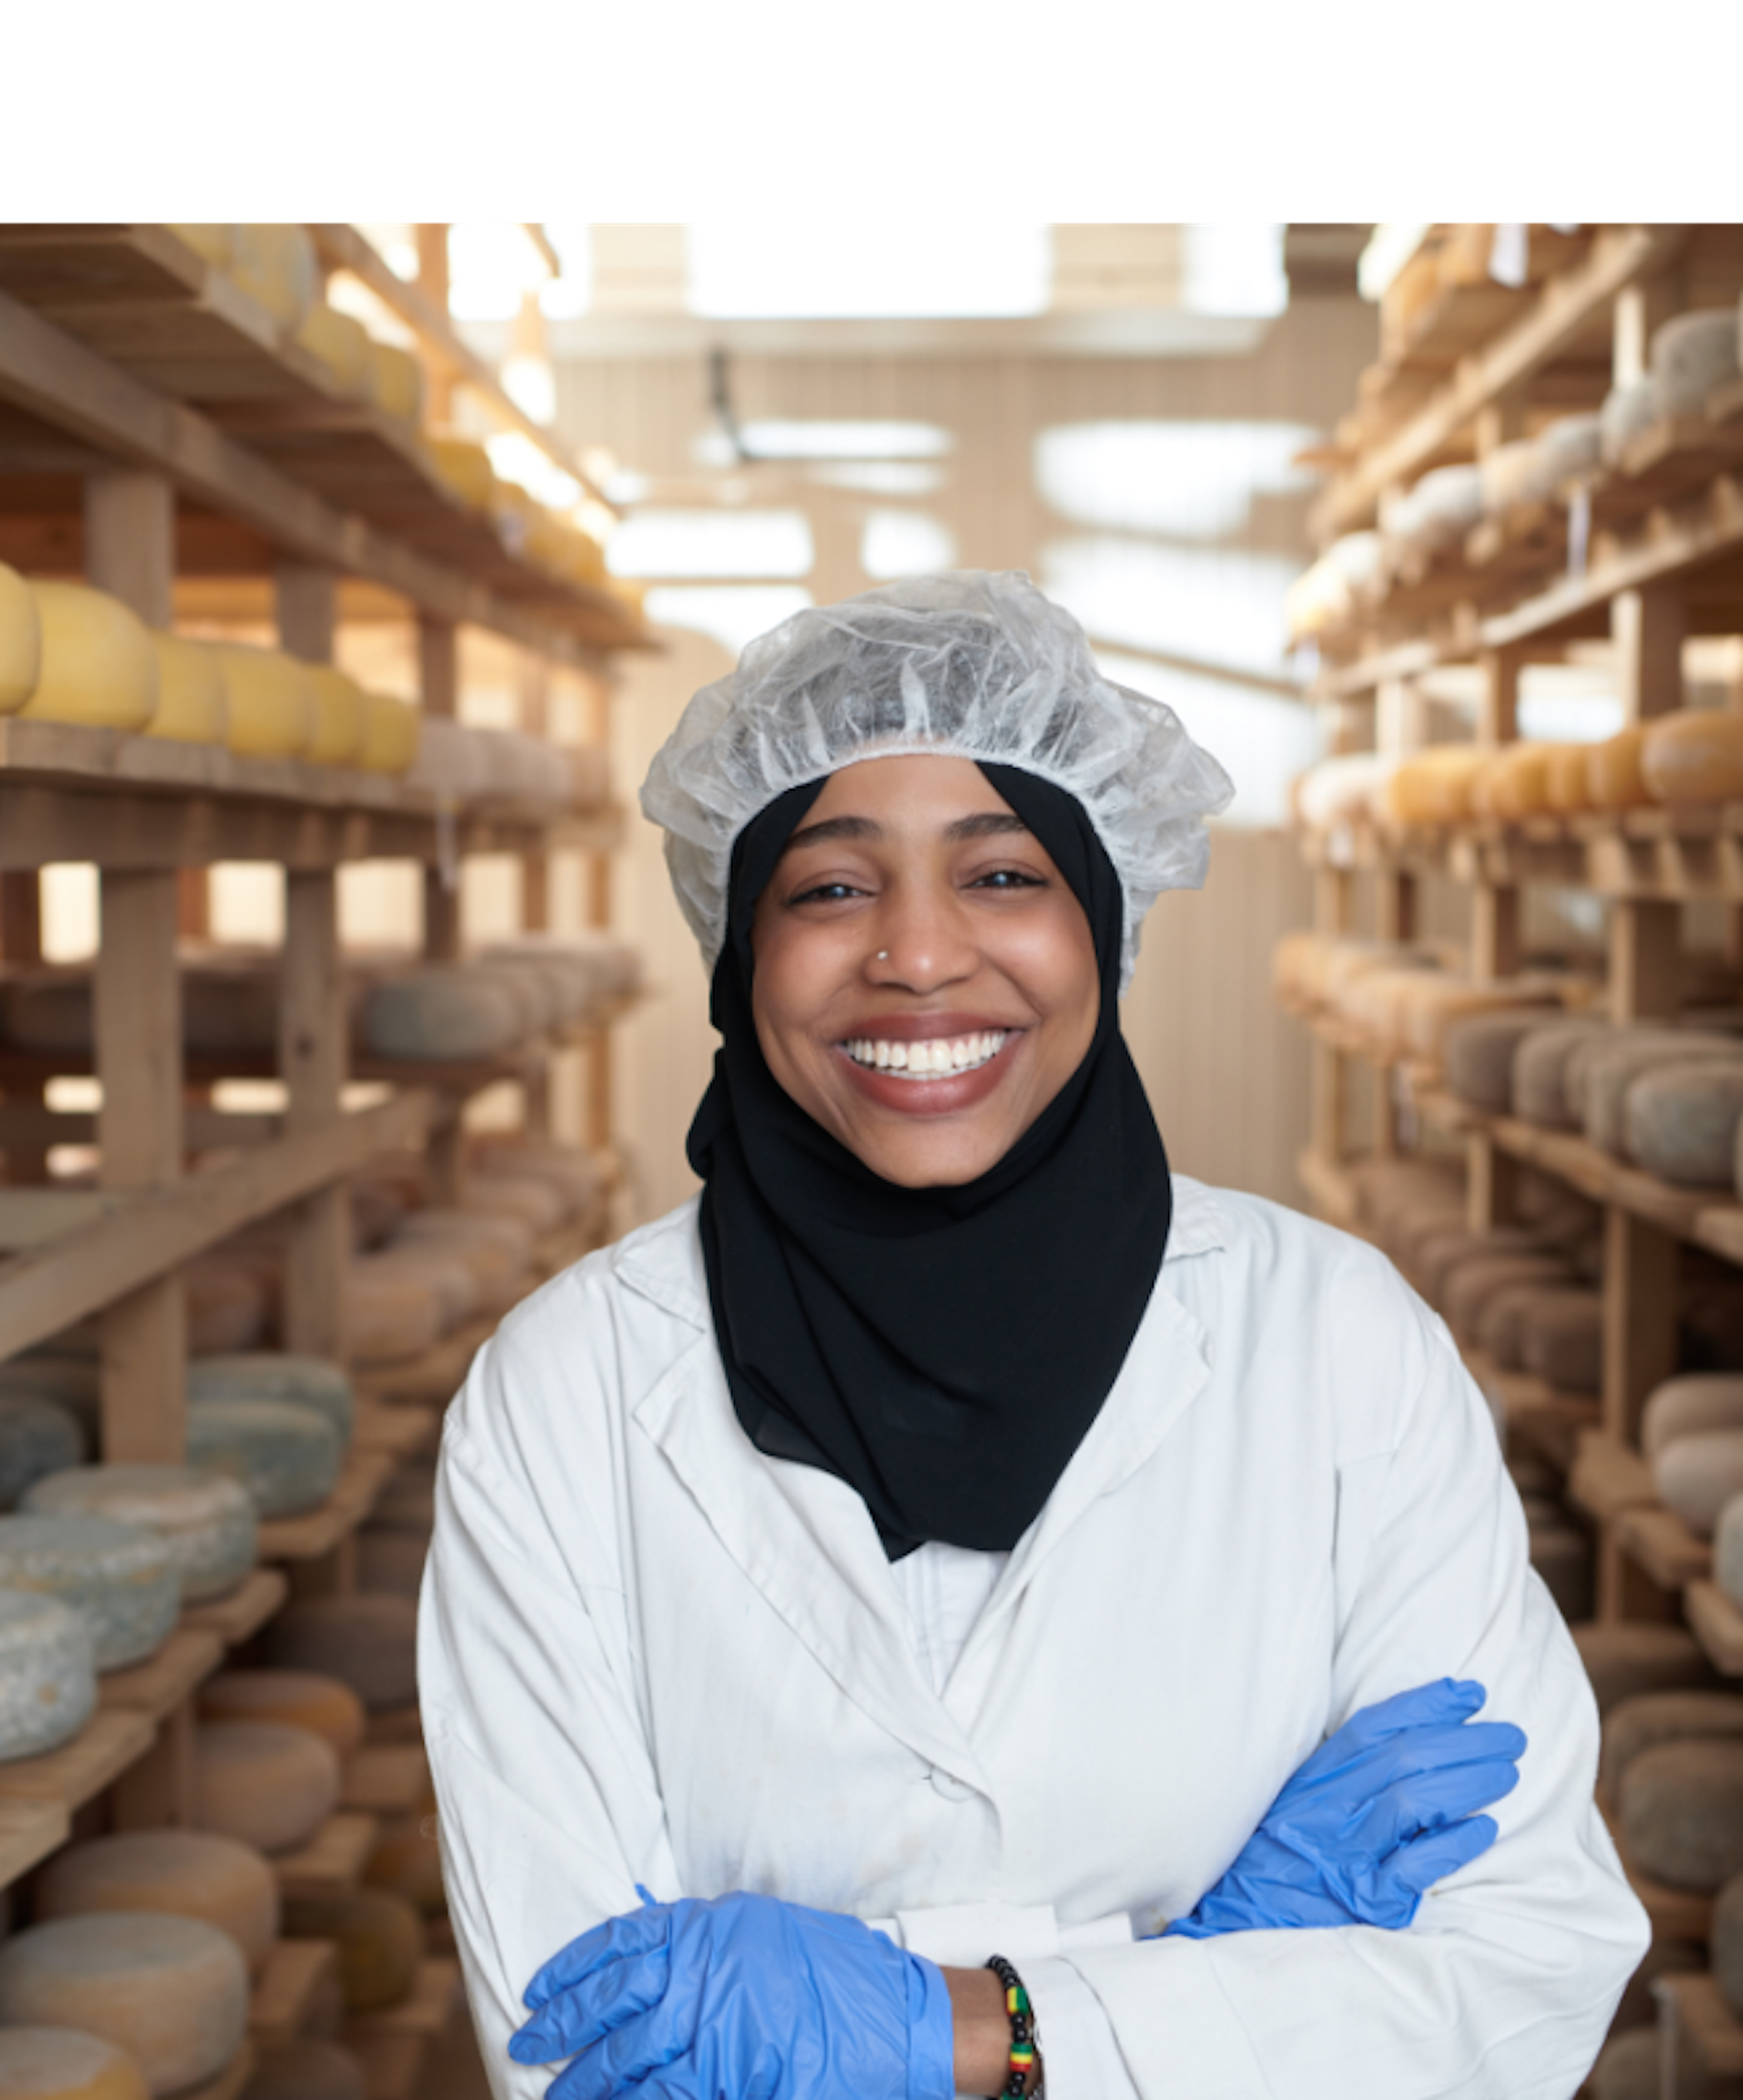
650 1653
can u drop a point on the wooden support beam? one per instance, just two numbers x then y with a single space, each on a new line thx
1639 1317
313 1062
306 600
21 942
129 541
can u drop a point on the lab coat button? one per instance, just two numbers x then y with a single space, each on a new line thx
952 1789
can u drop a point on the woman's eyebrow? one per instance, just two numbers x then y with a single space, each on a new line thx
986 824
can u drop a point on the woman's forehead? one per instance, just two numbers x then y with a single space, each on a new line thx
935 788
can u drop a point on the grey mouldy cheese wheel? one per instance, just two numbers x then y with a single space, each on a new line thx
206 1518
181 1874
1622 1660
1627 2068
306 2070
1698 1474
1540 1065
37 1437
1479 1057
74 1382
1727 1551
1685 1407
55 2063
121 1578
1471 1284
1692 353
48 1674
1682 1811
287 1456
171 1992
379 1937
1681 1124
1610 1073
1561 1339
368 1642
441 1015
1726 1944
264 1783
270 1375
1652 1717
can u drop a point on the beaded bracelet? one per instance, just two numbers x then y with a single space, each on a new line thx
1022 2015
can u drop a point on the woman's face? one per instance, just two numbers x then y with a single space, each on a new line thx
925 980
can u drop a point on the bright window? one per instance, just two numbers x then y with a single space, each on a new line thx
905 543
889 267
712 543
731 614
1192 480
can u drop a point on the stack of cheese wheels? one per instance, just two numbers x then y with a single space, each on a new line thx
1653 1717
182 1873
305 1381
207 1521
1682 1811
270 707
121 1578
1692 353
1561 1338
1628 2066
98 665
1540 1064
48 1673
391 728
1623 1659
306 2069
341 716
1681 1123
1693 756
267 1784
21 642
1603 1071
379 1937
368 1643
389 1313
1435 787
172 1993
38 1435
191 703
1566 785
277 265
55 2063
288 1457
1613 778
296 1698
448 1014
339 343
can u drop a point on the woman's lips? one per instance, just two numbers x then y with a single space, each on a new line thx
930 1092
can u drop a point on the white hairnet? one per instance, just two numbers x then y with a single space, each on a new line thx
973 664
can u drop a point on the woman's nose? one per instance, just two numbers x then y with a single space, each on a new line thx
923 941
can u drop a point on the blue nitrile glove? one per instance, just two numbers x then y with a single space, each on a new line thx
741 1998
1381 1811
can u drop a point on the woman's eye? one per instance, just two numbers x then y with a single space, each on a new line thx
1007 878
825 893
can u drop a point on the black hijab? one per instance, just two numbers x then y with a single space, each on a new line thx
944 1351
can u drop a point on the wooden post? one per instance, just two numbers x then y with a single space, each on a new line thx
433 282
1334 904
535 890
21 942
129 541
305 601
1492 1175
439 679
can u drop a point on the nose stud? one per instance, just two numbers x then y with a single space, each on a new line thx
883 955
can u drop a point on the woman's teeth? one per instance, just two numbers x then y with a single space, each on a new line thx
928 1060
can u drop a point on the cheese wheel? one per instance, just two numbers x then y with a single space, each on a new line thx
340 344
122 1579
537 1202
21 642
270 710
1625 1658
1517 784
1562 1556
207 1520
368 1642
1726 1942
98 664
462 466
1682 1811
191 704
1567 787
391 734
227 1305
1681 1124
396 381
1628 409
379 1937
391 1564
306 1381
1660 1717
1541 1058
434 1269
48 1677
298 1698
341 716
69 1381
265 1783
287 1456
408 1859
450 1014
1628 2067
497 1250
1432 1007
37 1437
389 1314
1693 756
1614 779
1691 1405
1478 1057
1470 1284
1697 1474
306 2069
1561 1339
55 2063
1692 353
182 1873
1434 787
171 1992
1605 1075
276 264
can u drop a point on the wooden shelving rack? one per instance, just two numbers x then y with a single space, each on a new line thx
155 425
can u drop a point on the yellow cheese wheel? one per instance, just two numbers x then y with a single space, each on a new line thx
395 381
21 642
389 741
264 1782
1693 757
340 343
191 707
1434 787
271 702
212 244
185 1873
98 664
1614 779
171 1992
380 1937
276 266
341 716
463 467
1565 783
55 2063
1519 783
299 1698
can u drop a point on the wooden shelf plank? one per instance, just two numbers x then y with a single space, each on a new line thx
318 1531
103 1748
1717 1624
386 1778
1608 1477
157 1686
1659 1542
333 1861
239 1617
29 1831
286 1987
